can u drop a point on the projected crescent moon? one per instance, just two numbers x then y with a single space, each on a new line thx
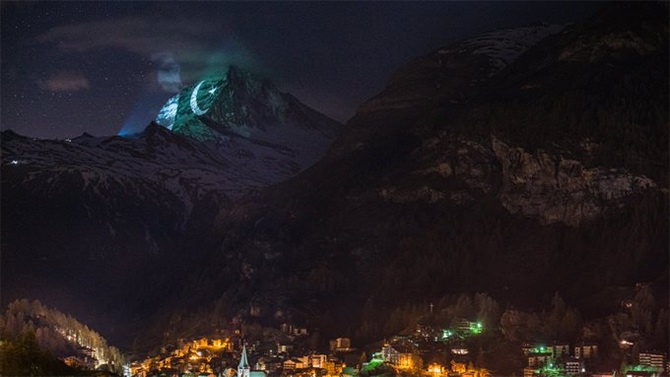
194 101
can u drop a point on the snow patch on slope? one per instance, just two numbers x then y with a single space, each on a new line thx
503 46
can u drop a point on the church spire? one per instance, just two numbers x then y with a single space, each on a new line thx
243 370
243 360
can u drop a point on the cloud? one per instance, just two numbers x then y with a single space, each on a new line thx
168 73
65 82
141 35
195 45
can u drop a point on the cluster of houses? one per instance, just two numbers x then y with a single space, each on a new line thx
427 351
218 358
557 360
197 357
423 352
84 358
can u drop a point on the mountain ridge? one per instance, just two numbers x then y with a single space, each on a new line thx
415 202
131 204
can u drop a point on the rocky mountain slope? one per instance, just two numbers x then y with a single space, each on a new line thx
80 213
469 172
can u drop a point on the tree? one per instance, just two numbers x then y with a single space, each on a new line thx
9 359
571 325
38 333
488 311
23 357
518 326
31 355
480 358
660 338
315 340
644 298
463 308
558 308
363 359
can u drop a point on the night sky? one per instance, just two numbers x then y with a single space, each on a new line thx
106 67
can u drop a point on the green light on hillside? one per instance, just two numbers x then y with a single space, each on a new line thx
641 368
551 370
538 349
476 327
372 364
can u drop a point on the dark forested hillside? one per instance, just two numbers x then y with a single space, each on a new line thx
37 338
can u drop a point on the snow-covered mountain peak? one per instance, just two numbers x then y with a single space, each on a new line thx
457 71
242 105
230 136
503 46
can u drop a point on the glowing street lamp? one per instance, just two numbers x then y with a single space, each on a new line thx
435 369
476 327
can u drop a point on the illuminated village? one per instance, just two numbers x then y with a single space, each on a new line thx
429 351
